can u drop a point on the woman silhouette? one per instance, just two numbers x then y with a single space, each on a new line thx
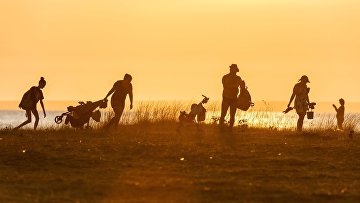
301 95
29 101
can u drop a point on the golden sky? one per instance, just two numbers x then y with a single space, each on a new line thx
179 49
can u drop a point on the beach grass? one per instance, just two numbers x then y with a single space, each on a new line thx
262 117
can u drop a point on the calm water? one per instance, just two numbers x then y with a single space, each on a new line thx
13 118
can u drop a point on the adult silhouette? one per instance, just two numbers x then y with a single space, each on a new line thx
29 102
231 83
119 91
301 104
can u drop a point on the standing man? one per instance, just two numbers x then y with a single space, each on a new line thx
120 90
231 83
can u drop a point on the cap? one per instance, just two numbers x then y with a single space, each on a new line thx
304 78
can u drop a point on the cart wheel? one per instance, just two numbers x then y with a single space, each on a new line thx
58 119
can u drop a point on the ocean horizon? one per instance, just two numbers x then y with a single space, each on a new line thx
276 106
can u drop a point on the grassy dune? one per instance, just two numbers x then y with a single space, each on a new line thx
155 163
261 116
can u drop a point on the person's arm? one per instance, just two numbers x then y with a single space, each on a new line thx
307 95
110 92
336 109
224 82
131 98
43 108
291 98
307 99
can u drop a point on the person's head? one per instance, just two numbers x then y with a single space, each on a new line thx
233 68
342 101
127 78
304 79
42 83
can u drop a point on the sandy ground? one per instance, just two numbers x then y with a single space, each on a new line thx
154 163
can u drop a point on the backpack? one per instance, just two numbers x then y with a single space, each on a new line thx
27 101
244 100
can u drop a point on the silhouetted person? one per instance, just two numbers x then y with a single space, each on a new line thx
120 90
301 95
231 83
340 113
29 101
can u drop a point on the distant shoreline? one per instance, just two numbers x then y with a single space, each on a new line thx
277 106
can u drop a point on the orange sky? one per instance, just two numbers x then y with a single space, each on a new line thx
179 49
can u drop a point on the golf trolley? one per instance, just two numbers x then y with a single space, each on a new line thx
196 115
80 115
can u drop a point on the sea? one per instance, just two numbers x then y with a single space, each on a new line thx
264 114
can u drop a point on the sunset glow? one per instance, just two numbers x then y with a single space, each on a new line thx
179 49
179 101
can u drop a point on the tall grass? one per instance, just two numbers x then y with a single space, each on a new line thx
352 121
150 112
162 112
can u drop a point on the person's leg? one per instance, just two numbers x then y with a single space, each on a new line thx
300 121
112 120
28 115
118 115
340 124
118 110
224 109
232 113
36 115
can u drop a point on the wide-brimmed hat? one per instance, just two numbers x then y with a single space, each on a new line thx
305 79
234 67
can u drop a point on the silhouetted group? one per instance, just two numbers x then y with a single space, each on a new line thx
119 91
232 86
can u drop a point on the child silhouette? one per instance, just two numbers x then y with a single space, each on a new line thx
340 113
